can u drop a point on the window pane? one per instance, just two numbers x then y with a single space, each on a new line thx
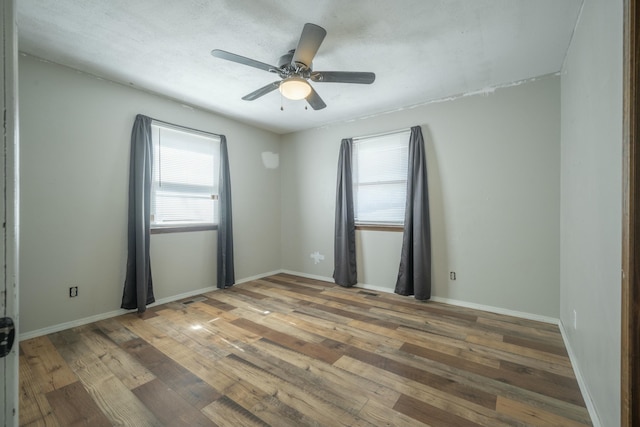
178 165
380 178
384 159
185 174
382 203
174 208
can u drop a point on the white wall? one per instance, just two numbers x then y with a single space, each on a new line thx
591 201
494 179
75 136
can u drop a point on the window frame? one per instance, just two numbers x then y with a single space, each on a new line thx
160 228
375 225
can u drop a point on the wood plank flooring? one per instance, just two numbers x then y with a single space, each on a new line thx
288 351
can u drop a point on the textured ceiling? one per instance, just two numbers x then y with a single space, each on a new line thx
420 50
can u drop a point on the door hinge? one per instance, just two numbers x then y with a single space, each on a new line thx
7 335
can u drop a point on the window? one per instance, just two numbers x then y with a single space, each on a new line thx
380 178
185 177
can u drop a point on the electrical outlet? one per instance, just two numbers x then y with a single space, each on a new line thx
575 319
452 275
73 291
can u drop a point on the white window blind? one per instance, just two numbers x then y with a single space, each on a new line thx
379 167
185 177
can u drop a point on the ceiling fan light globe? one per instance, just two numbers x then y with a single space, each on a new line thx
295 88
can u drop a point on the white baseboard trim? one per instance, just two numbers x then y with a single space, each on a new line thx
68 325
96 318
258 276
330 280
595 420
102 316
459 303
497 310
374 288
308 276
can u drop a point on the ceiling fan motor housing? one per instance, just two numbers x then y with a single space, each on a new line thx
286 62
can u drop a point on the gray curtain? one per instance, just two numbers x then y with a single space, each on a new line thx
344 272
226 275
414 275
138 286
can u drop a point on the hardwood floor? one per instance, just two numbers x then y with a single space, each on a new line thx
288 351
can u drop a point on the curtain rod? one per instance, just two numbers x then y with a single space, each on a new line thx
376 135
180 127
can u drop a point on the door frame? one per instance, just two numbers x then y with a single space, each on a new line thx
630 296
9 207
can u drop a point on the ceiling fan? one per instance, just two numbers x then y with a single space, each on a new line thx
295 69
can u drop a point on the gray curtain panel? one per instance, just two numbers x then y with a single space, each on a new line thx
138 286
414 275
345 273
226 274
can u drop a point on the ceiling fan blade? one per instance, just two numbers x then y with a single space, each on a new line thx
242 60
315 101
342 77
310 40
262 91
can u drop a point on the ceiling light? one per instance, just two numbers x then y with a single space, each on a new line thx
295 88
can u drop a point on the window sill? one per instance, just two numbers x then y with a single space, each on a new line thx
183 228
379 227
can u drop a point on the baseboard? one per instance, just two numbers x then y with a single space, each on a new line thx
497 310
491 309
258 276
68 325
102 316
96 318
330 280
308 276
374 288
595 420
